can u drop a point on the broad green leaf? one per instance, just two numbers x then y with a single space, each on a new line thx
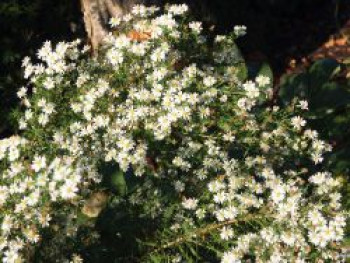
260 68
328 98
242 71
322 71
316 86
292 86
118 182
114 178
265 70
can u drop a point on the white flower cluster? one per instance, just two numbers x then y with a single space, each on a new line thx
153 103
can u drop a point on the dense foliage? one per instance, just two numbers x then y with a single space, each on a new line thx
161 146
327 89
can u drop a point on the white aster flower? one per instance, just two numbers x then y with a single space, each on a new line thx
230 257
209 81
190 203
68 190
226 233
278 193
303 104
11 256
196 27
240 30
22 92
178 9
298 122
179 186
251 90
262 80
114 21
38 163
200 213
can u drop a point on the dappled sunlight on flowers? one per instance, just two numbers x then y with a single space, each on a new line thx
165 103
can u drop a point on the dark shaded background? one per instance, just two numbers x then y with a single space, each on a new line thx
24 25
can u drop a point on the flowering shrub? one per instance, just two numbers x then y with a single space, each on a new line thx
164 124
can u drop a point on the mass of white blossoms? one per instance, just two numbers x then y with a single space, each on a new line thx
168 103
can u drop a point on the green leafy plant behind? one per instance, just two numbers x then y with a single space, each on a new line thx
328 93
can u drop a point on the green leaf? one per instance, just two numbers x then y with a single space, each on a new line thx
322 71
328 98
114 178
292 86
316 86
242 71
260 68
118 182
266 70
83 219
131 180
237 64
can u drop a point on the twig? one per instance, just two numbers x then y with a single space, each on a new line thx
205 231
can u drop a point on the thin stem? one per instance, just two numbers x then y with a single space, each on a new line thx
205 231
